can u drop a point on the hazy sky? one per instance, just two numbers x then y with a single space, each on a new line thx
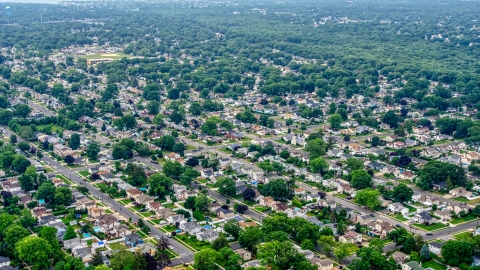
30 1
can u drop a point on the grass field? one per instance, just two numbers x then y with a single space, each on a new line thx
463 235
84 173
117 55
434 265
430 227
398 217
460 199
461 220
410 208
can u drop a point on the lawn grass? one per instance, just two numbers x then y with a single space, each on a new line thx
411 209
341 195
85 174
170 228
169 205
142 234
65 179
398 217
147 214
156 221
125 201
461 199
116 246
108 211
431 227
463 235
463 219
203 181
193 242
434 265
261 209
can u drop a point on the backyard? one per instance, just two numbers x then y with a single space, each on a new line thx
434 265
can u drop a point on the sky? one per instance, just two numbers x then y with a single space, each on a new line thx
30 1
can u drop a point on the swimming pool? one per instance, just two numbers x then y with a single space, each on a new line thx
207 227
86 235
96 229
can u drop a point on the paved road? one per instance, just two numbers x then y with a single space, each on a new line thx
185 254
41 109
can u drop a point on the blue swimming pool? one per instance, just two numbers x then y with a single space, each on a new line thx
96 229
86 235
207 227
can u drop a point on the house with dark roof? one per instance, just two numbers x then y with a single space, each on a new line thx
132 240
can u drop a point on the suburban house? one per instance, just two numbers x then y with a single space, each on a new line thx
132 240
107 222
326 264
245 254
400 257
397 208
133 193
208 235
435 247
350 237
424 217
224 213
443 215
413 265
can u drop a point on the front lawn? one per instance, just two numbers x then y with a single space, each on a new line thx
156 221
193 242
461 199
341 195
261 209
431 227
398 216
463 235
85 174
125 202
463 219
147 214
434 265
170 228
108 211
410 208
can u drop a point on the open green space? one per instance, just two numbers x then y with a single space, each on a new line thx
434 265
463 219
463 235
460 199
431 227
147 214
410 208
116 246
398 217
193 242
84 173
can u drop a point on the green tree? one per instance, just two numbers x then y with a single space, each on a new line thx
360 179
250 237
368 197
377 244
14 234
375 141
316 146
205 259
354 163
391 119
335 120
173 169
278 189
342 251
46 192
220 243
63 195
158 184
92 151
35 251
319 165
457 252
282 255
232 228
425 252
202 203
402 193
22 110
97 258
74 142
122 260
69 233
226 186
